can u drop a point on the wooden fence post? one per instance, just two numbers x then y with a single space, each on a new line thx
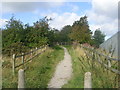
31 53
45 47
109 63
41 49
23 58
36 51
21 79
13 66
87 81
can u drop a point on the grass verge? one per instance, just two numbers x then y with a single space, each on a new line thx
101 77
38 72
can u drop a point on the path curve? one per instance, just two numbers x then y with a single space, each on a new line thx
63 72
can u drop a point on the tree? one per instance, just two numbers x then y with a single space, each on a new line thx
57 37
41 34
13 32
12 35
65 33
98 37
17 37
80 31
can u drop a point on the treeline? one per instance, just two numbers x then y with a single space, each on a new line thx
17 37
79 32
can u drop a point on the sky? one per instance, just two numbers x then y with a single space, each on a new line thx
101 14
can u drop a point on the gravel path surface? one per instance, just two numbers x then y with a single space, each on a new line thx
63 72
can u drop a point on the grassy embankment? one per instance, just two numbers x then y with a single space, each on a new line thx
38 72
101 77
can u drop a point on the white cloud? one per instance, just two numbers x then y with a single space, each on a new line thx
104 15
107 7
107 28
93 27
28 6
60 21
3 22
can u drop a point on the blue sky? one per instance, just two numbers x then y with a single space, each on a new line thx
99 12
29 17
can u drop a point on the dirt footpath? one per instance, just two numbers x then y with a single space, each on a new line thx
63 72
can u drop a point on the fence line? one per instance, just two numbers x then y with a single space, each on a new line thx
22 56
92 49
108 65
62 43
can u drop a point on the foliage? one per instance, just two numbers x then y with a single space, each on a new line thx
15 48
80 31
98 38
63 34
17 36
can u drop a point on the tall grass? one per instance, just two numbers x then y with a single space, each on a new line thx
84 62
38 72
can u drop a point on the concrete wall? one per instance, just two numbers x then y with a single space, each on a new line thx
112 44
